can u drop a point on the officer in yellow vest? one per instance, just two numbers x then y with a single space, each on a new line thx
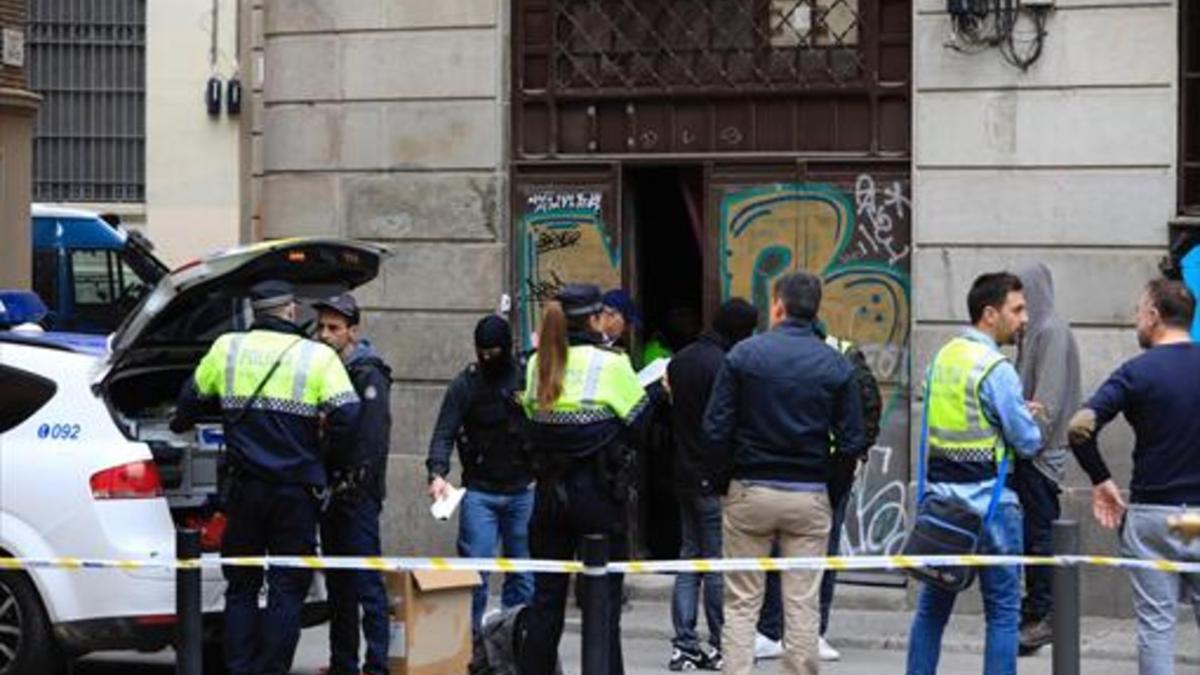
582 400
976 414
272 385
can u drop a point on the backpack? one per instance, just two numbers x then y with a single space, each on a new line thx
868 388
497 647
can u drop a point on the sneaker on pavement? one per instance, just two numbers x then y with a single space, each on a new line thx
711 658
826 650
766 648
1036 635
684 660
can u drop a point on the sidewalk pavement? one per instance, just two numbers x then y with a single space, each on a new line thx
877 619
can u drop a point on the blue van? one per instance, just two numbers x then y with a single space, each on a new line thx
88 272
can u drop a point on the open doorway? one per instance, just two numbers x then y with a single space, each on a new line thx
666 218
663 210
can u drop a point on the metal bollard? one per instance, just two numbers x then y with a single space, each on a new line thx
1066 600
189 625
596 626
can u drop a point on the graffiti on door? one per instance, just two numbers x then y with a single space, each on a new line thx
562 237
858 240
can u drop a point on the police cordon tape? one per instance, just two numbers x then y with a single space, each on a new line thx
837 563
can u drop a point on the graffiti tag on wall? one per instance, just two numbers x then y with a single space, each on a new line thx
562 238
858 240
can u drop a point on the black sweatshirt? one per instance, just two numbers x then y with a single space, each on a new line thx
1159 393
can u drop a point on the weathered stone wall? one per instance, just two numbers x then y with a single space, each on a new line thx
386 121
1072 164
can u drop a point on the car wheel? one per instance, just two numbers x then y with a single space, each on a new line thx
26 645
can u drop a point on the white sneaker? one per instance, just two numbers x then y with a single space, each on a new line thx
766 648
826 650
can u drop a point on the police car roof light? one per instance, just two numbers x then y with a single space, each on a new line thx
20 306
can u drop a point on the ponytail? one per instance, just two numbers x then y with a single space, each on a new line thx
552 355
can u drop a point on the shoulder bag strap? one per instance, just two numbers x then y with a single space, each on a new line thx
241 414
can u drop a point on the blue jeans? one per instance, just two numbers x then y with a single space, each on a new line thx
1001 588
351 528
770 619
488 518
700 531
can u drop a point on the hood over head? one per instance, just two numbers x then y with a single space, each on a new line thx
1039 293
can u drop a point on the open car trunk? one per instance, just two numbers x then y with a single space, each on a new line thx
159 345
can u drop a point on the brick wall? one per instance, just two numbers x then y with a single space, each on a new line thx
12 15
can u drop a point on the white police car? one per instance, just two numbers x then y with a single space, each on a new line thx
90 470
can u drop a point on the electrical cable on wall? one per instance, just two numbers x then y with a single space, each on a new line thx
979 25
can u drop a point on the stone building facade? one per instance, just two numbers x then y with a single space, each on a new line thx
18 106
461 132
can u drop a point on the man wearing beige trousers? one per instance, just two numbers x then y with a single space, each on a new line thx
778 401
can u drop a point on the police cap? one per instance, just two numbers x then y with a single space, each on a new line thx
580 299
619 300
271 294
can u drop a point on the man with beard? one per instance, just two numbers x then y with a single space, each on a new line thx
481 416
976 417
1157 392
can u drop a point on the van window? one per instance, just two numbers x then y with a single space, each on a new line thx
104 288
21 395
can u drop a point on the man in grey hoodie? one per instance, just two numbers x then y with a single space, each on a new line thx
1048 363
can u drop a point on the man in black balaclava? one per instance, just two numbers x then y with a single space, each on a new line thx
480 415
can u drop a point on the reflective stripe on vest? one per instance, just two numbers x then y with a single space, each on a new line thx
595 383
958 429
305 383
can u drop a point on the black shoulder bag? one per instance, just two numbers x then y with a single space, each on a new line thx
946 525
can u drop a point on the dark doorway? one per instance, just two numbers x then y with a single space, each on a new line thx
663 213
667 225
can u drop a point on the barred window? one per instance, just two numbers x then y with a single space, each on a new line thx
614 77
87 60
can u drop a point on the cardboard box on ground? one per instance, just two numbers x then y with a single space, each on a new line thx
431 622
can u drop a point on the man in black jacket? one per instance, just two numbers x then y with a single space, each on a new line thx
691 375
779 401
350 527
480 415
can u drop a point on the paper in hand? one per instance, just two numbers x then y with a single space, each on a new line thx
653 372
443 508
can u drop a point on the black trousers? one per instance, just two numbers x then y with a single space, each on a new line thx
1040 506
275 519
564 511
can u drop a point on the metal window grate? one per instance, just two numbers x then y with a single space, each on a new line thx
621 77
87 60
700 44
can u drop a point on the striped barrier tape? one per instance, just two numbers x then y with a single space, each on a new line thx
837 563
